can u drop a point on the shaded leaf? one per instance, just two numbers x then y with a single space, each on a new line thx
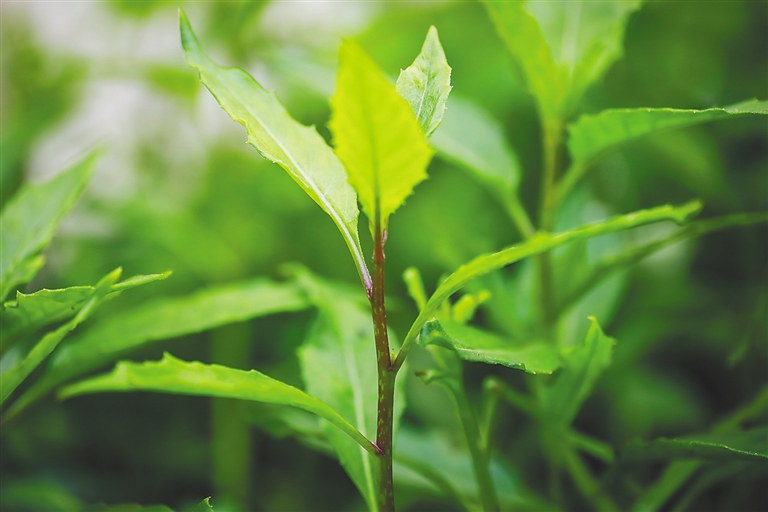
38 494
35 310
376 135
11 379
426 83
472 344
162 319
749 445
562 396
171 375
298 149
29 221
128 507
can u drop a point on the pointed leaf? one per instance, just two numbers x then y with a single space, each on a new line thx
298 149
591 135
748 445
376 135
11 379
171 375
472 344
204 506
30 312
426 83
161 319
561 397
29 221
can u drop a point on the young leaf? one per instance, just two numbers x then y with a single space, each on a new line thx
472 344
426 83
562 397
592 135
171 375
161 319
376 135
338 365
30 312
29 221
11 379
204 506
748 445
298 149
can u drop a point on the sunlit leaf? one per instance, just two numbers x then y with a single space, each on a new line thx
376 135
160 319
561 397
749 445
171 375
35 310
29 221
11 379
426 83
298 149
472 344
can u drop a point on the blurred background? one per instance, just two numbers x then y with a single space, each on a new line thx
177 188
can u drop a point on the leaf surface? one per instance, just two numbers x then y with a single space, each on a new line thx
749 445
162 319
472 344
171 375
298 149
376 134
426 83
15 375
30 219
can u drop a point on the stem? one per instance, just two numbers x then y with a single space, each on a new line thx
519 216
386 374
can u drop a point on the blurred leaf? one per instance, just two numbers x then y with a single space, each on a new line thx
30 312
472 344
11 379
750 445
562 396
426 83
338 364
171 375
128 507
29 221
376 135
278 137
160 319
591 135
38 494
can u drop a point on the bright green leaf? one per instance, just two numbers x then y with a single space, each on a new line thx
426 83
171 375
749 445
298 149
204 506
160 319
376 135
472 344
11 379
35 310
562 396
29 221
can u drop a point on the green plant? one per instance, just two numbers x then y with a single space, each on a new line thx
349 363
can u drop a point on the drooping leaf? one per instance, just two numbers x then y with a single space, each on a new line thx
592 135
749 445
162 319
376 135
471 138
11 379
338 364
472 344
426 83
298 149
29 221
561 397
35 310
171 375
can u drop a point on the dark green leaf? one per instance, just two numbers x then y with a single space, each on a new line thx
171 375
749 445
29 221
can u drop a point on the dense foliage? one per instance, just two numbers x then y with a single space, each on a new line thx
572 197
